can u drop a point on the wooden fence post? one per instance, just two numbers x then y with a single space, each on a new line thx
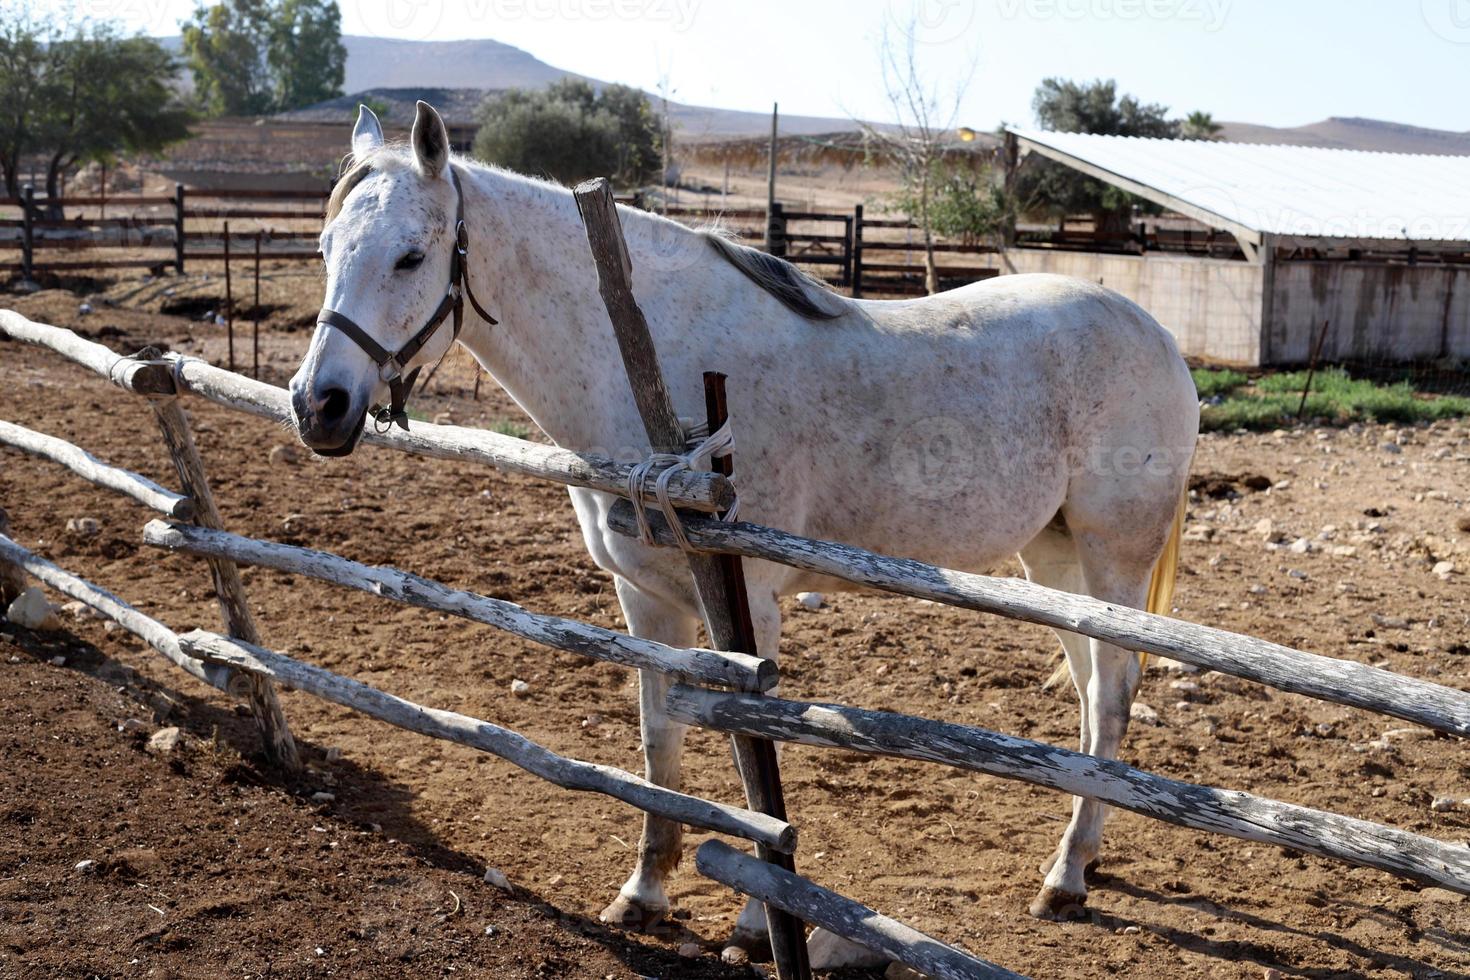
255 331
28 234
229 299
776 229
721 607
179 229
847 251
857 251
280 747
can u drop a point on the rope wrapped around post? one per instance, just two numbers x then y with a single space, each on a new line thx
703 448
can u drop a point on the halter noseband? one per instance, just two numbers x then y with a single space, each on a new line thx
393 364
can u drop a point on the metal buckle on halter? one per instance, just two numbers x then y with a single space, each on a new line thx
461 238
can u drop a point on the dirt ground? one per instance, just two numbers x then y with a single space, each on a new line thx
208 866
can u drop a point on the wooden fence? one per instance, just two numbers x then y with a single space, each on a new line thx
720 688
886 261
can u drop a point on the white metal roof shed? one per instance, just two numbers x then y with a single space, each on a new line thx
1306 194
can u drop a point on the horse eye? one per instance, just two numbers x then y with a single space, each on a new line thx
410 260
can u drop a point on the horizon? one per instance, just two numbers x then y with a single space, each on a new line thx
1240 60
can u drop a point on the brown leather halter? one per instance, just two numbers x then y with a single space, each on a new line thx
393 364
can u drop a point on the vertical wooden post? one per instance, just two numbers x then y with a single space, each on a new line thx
255 332
717 598
179 229
229 299
280 747
847 251
857 251
28 234
776 229
771 178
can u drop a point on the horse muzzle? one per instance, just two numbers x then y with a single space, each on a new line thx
329 422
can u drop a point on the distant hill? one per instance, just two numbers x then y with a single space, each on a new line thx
1353 133
385 63
460 66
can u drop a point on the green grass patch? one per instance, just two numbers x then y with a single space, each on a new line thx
512 428
1337 396
1211 382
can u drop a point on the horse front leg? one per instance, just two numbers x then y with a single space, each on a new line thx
642 901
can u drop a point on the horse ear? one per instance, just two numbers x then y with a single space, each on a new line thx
430 141
367 135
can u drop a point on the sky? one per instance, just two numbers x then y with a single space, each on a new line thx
1274 62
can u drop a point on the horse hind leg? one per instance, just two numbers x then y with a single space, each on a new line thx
642 902
1116 567
1050 559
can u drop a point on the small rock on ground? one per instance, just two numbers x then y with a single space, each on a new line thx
164 741
31 611
810 600
495 878
1143 714
520 688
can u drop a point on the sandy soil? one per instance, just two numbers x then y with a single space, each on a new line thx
414 820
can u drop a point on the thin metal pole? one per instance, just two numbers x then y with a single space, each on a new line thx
229 299
255 333
771 182
1312 368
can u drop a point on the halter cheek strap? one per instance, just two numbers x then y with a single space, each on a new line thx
393 365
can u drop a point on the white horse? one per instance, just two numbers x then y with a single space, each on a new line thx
1035 415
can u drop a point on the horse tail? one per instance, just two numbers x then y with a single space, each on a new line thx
1160 586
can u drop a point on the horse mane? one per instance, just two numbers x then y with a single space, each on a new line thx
797 291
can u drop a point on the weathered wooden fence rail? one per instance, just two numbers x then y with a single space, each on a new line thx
697 491
224 663
1327 678
1228 812
737 670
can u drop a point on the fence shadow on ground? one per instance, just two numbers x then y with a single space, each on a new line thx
392 801
1235 950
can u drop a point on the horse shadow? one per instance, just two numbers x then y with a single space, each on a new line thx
237 744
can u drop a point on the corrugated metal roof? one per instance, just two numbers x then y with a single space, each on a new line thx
1292 191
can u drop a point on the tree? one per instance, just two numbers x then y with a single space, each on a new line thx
23 56
251 57
1200 126
85 95
569 132
1094 107
967 202
924 119
307 59
105 94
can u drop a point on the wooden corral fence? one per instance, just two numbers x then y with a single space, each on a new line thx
282 224
272 219
723 688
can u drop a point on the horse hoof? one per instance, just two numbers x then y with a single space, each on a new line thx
1056 905
625 913
747 946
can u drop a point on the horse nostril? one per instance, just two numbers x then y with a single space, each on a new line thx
334 406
